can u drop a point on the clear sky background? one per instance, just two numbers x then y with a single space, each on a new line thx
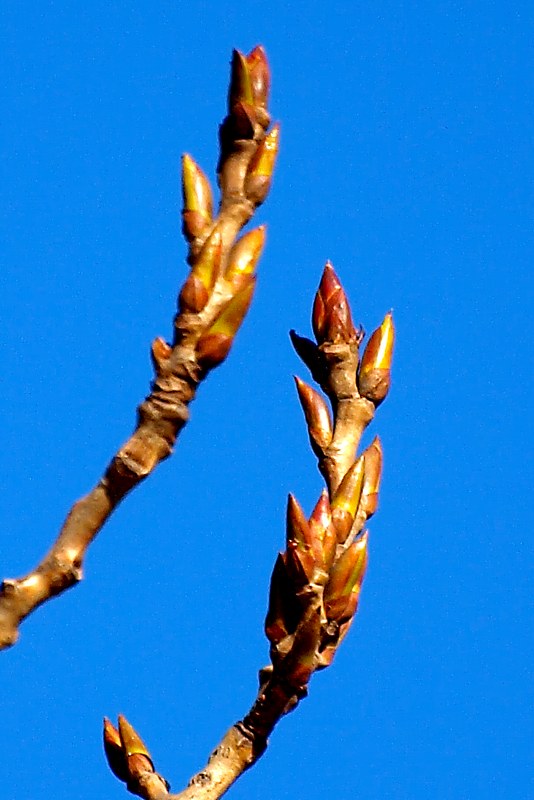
406 159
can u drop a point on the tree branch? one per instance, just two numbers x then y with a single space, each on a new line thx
316 581
212 304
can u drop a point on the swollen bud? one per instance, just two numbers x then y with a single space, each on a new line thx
347 499
132 744
346 577
198 202
317 416
245 255
324 539
310 354
259 76
371 482
214 345
261 167
240 90
282 612
331 317
115 755
374 376
197 288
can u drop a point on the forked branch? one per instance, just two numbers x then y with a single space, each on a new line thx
317 579
211 306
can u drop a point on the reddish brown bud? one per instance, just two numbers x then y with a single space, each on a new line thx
204 273
132 743
331 317
374 376
371 482
299 664
197 198
160 352
259 75
115 755
345 577
282 614
245 255
193 295
297 528
310 354
261 167
207 265
317 416
300 563
323 534
213 346
300 543
347 498
212 349
240 90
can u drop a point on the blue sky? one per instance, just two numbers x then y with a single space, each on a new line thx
406 159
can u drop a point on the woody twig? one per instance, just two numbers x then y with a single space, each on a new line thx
212 304
316 581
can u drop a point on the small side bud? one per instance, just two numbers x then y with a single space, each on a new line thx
240 90
345 577
347 499
132 743
193 295
282 614
317 416
196 290
324 538
297 528
331 317
197 214
214 345
300 563
160 352
261 167
371 483
245 255
115 755
207 266
310 354
299 664
259 76
374 376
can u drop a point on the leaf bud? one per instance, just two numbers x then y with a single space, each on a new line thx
198 203
374 376
347 498
331 317
260 171
317 416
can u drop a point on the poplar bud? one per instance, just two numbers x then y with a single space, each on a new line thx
371 483
214 345
113 749
331 317
259 75
260 171
347 498
317 416
310 354
245 255
374 376
197 197
197 288
345 576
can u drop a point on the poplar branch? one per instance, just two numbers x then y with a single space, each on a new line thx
211 306
316 581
